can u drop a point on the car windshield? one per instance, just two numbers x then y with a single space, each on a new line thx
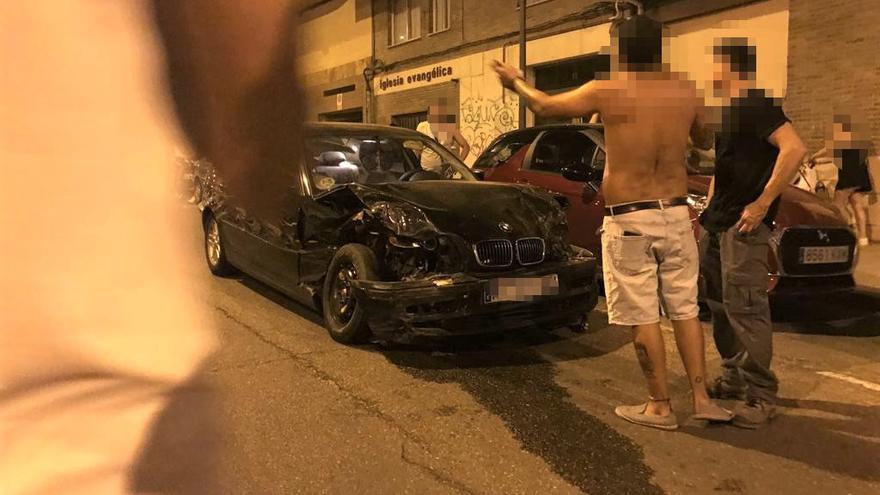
335 159
504 148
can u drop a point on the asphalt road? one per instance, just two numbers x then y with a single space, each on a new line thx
287 410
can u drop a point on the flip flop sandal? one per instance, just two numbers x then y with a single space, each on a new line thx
715 418
636 415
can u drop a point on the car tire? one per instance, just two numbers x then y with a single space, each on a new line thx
344 318
215 253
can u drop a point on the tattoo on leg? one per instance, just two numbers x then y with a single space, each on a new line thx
644 359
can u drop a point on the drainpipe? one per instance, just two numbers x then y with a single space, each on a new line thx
522 59
370 116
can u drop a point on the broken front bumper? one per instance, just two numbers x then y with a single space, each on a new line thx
460 304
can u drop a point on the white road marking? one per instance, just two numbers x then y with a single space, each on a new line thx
868 385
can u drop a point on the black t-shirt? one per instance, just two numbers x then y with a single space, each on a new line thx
853 173
744 159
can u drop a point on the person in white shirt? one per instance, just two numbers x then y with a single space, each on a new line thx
442 127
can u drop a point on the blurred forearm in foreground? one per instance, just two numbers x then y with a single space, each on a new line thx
99 326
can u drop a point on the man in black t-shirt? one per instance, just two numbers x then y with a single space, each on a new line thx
758 154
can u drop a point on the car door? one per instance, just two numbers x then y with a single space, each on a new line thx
553 152
282 249
265 246
590 210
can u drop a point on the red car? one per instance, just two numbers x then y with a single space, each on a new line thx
812 248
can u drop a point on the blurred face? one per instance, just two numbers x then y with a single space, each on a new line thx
724 79
840 137
441 115
839 133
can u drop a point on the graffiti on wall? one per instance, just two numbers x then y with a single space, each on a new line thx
483 119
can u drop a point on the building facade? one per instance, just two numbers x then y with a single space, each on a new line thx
335 46
834 67
819 55
429 49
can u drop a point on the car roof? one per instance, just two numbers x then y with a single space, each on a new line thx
314 128
560 127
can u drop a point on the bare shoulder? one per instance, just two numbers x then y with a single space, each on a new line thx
606 88
596 86
683 86
685 90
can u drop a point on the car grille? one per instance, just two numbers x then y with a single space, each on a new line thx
530 251
499 253
792 240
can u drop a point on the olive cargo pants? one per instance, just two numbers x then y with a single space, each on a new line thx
735 273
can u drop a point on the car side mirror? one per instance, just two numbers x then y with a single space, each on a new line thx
563 201
591 190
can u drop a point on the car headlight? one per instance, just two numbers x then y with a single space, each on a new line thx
404 220
698 202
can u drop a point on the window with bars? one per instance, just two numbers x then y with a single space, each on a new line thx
439 15
409 120
405 21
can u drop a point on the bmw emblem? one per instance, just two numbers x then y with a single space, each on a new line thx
823 236
505 227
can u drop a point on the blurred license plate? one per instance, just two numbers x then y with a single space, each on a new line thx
522 289
824 255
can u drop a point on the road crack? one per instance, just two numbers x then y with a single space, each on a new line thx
437 476
250 364
370 407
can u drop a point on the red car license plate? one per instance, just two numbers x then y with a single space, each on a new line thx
824 255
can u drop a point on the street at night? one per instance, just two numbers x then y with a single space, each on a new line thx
418 247
530 412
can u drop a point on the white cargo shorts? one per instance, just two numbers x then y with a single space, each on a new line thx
649 258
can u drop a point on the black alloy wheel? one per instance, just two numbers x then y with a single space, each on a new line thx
344 317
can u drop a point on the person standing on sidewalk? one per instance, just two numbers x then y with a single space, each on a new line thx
850 156
758 154
648 246
441 126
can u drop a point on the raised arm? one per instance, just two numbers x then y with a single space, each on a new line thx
463 146
576 103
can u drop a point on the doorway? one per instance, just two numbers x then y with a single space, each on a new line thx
566 75
354 115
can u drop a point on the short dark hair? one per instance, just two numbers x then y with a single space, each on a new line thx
739 54
640 43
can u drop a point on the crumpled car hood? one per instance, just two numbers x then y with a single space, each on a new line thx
474 210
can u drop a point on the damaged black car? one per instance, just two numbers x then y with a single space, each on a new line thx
391 236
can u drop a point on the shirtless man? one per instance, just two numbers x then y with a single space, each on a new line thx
648 246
